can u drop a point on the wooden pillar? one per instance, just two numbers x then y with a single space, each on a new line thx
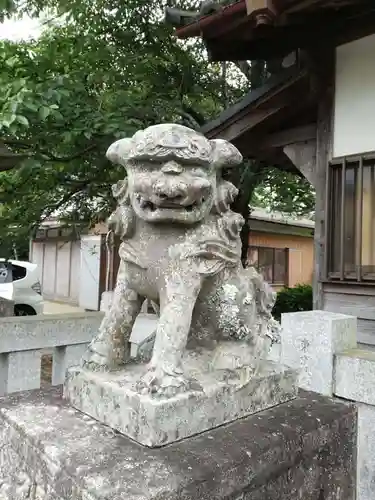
323 65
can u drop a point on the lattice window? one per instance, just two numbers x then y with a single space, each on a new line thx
271 263
350 228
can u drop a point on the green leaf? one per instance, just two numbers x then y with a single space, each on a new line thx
22 120
30 106
44 112
8 120
11 62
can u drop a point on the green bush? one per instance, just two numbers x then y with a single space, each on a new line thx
299 298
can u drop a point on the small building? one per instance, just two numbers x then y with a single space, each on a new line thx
70 263
281 247
76 267
316 113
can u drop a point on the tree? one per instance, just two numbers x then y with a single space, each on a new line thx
104 71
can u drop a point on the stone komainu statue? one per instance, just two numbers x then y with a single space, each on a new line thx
181 249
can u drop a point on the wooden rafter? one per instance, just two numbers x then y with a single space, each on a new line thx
233 33
278 41
289 136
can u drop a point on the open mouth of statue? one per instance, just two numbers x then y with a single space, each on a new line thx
150 206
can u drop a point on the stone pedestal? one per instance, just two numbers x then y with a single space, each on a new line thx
303 449
309 342
224 396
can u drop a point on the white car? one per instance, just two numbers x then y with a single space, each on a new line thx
27 291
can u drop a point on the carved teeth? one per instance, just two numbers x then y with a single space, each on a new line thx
142 202
146 204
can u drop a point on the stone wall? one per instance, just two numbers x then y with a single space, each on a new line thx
6 308
50 451
323 346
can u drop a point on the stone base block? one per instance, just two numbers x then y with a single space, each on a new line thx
302 449
113 399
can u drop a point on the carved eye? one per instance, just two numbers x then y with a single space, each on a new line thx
199 172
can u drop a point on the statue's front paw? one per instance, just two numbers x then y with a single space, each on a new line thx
95 362
100 356
162 384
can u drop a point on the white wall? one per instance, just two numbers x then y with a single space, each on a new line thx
90 272
49 269
354 116
59 266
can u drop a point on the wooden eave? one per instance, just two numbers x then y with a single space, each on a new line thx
279 113
233 33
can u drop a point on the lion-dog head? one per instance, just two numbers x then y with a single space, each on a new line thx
173 174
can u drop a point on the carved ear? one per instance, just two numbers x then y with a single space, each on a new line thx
118 152
120 192
225 155
226 193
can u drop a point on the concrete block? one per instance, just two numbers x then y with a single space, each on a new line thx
23 371
49 331
354 375
113 399
309 341
284 453
366 453
275 353
63 358
143 331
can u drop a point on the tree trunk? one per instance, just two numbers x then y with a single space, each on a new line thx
252 176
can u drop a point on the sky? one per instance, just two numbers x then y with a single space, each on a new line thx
19 29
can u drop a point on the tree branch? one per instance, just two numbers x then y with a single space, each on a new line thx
6 168
47 154
190 119
244 67
196 115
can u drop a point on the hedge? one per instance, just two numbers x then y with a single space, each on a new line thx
298 298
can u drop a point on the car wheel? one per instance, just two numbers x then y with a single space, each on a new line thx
24 310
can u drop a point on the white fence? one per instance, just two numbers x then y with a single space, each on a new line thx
23 341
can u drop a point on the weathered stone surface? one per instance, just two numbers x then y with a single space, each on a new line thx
6 307
354 375
354 380
298 450
309 342
181 249
366 453
113 399
47 331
